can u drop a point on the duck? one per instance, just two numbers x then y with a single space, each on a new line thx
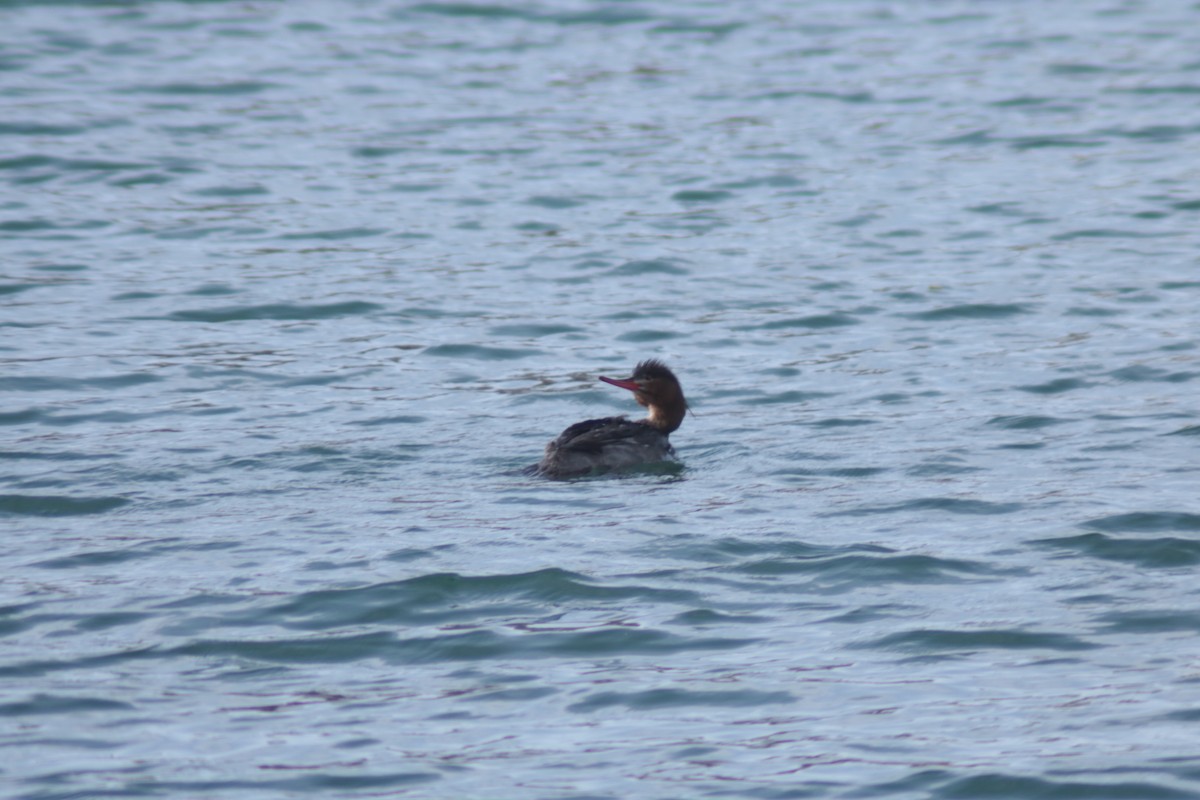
614 443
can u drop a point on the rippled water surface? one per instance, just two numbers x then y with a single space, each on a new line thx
290 293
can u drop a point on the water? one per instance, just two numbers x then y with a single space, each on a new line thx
292 292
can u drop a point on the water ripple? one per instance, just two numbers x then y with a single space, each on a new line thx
57 505
276 311
56 704
472 646
680 698
951 504
972 311
952 641
1152 553
441 598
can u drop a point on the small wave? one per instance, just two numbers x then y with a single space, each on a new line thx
1056 386
952 505
971 311
22 417
1025 422
399 419
933 640
38 225
442 598
533 330
335 234
1061 140
38 161
485 10
44 384
480 352
554 203
1149 622
650 267
1000 785
277 311
192 232
230 191
220 88
1146 522
1140 373
680 698
57 505
95 558
40 129
1157 553
648 336
17 288
810 322
1105 233
941 466
846 572
833 472
63 420
792 396
41 704
50 455
843 422
690 196
479 645
1187 430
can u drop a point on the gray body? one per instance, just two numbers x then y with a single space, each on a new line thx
598 445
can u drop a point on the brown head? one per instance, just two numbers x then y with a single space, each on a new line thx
655 387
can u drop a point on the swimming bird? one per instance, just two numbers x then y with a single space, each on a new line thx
597 445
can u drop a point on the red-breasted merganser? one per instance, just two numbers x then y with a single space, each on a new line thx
616 442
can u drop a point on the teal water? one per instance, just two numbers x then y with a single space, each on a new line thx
290 293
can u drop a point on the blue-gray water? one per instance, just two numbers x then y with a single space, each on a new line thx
290 292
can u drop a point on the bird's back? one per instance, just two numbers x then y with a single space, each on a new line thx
603 444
